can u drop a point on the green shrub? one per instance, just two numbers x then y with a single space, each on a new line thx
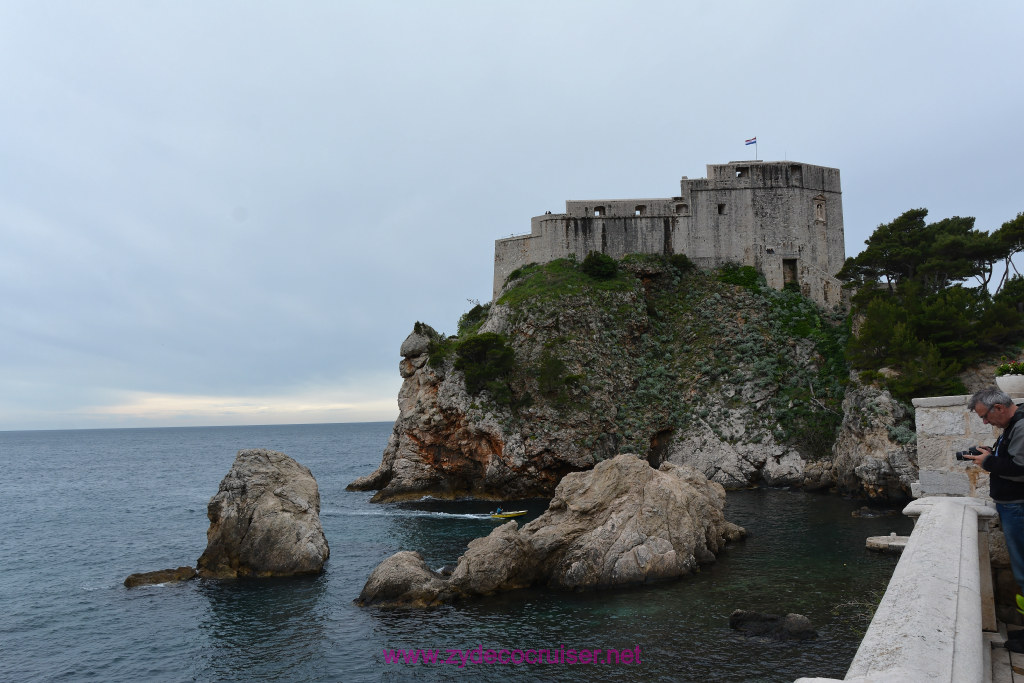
600 266
439 350
735 274
925 373
681 262
486 361
902 433
871 377
472 319
551 374
425 329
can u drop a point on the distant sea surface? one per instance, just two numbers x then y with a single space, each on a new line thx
86 508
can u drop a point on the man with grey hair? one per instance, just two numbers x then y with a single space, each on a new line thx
1005 461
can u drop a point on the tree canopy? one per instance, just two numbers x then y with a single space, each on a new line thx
916 314
934 255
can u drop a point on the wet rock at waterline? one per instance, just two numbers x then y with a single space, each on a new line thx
621 523
404 580
789 627
160 576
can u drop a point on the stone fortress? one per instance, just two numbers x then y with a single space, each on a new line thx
784 218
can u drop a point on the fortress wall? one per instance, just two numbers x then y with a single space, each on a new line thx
509 254
835 234
557 236
621 208
783 218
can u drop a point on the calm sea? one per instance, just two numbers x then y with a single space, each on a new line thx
86 508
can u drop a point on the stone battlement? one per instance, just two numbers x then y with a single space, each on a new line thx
784 218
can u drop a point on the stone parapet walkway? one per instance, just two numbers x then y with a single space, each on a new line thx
1007 667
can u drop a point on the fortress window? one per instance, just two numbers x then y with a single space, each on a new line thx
721 209
598 211
640 210
743 172
682 208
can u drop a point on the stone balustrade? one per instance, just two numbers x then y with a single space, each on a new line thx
931 622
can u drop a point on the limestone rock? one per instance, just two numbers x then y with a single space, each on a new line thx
415 345
621 523
160 576
740 463
818 475
981 376
789 627
264 520
498 319
787 470
625 522
444 447
502 560
403 580
867 460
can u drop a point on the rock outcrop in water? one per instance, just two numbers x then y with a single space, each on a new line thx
744 383
160 576
789 627
620 523
264 520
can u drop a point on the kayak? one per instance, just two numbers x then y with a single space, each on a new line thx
506 515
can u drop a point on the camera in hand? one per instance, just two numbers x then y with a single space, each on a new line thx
970 451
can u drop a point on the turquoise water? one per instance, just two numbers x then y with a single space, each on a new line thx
87 508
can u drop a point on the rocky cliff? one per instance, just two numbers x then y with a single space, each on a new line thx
568 368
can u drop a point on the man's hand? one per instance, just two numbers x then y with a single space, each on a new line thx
978 459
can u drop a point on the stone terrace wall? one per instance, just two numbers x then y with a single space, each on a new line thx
945 426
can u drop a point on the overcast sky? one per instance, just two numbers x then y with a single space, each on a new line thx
233 212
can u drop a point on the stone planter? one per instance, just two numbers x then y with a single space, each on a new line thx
1011 384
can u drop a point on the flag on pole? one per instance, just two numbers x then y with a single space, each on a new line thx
751 141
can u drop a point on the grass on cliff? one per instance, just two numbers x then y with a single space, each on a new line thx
559 278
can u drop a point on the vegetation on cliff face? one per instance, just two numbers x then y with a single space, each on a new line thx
575 363
624 359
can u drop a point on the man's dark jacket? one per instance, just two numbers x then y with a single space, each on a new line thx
1006 485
